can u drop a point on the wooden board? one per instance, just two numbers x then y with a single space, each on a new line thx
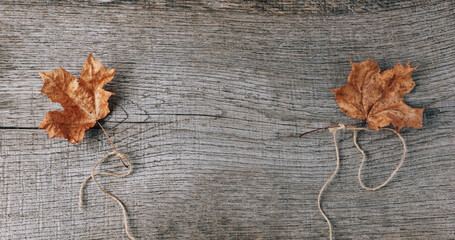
210 98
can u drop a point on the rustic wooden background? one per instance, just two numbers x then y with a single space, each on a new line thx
210 99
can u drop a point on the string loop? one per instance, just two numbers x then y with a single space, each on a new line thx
334 131
92 176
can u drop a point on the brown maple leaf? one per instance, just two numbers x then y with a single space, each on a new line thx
84 100
378 97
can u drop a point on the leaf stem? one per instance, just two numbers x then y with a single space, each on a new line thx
315 130
115 149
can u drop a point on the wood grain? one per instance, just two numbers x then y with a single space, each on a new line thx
210 99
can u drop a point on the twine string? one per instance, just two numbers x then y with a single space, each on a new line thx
334 131
359 174
92 176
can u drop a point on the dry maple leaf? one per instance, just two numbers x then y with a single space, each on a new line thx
378 97
84 100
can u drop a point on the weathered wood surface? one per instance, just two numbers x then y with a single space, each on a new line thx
210 98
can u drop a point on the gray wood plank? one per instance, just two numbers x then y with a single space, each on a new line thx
210 99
